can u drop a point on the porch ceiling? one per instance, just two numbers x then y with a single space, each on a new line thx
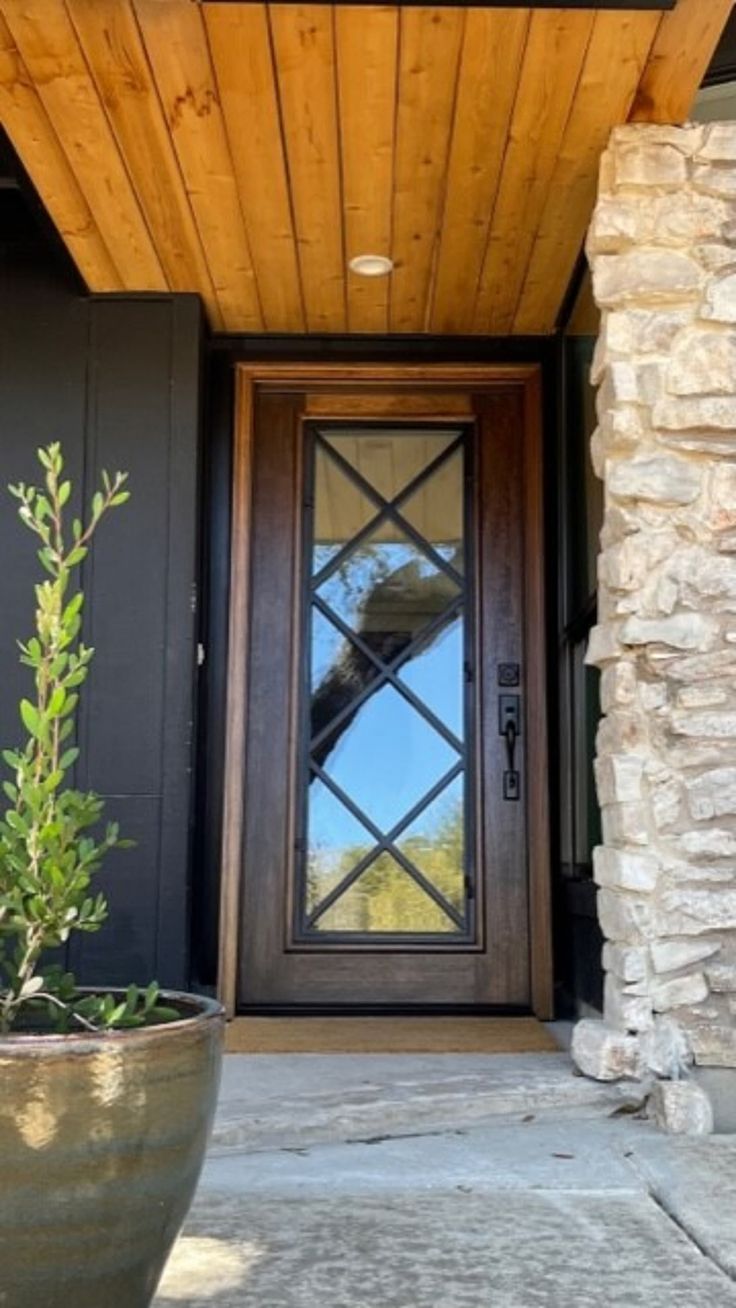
248 151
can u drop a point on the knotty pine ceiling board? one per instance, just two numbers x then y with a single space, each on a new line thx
246 152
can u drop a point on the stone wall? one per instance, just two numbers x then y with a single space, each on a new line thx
663 252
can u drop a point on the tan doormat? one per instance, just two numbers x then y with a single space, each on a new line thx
389 1035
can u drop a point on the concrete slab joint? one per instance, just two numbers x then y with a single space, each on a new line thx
662 248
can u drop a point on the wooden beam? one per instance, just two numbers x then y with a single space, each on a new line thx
176 44
241 52
614 62
367 51
493 47
304 49
683 48
430 44
552 64
48 46
110 38
29 128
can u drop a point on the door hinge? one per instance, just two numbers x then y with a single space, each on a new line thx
201 654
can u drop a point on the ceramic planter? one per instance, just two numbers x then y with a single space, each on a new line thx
102 1138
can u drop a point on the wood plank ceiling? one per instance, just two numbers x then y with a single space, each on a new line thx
247 152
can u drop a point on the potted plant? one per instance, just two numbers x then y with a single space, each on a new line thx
106 1099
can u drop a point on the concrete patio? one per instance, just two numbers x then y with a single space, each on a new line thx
415 1181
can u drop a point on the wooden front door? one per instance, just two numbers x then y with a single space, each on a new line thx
387 752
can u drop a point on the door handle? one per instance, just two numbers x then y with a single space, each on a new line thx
510 734
509 726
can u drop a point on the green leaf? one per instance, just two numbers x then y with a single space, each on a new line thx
31 719
56 702
162 1013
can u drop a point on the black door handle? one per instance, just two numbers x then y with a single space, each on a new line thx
511 733
509 726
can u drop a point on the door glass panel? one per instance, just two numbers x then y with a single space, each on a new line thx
385 900
435 510
341 510
435 843
434 671
383 810
341 671
390 460
388 589
388 757
337 842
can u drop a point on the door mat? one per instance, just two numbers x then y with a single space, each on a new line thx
389 1035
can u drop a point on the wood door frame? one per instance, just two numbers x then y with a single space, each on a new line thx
370 380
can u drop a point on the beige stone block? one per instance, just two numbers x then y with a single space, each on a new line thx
632 383
666 800
665 1050
625 869
722 495
712 412
690 442
720 299
653 274
706 723
680 990
604 1054
616 223
625 1012
703 575
713 794
659 478
652 696
703 363
694 631
687 139
603 644
649 164
681 1108
618 685
695 696
619 778
643 331
705 843
719 143
711 874
622 732
682 219
714 180
713 1044
721 977
698 667
627 918
694 910
625 824
713 256
671 955
627 962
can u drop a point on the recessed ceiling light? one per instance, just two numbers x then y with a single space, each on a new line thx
371 265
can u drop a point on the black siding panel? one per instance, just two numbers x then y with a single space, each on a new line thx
116 379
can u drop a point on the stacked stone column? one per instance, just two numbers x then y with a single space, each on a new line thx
662 247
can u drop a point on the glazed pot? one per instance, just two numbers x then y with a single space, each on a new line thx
102 1139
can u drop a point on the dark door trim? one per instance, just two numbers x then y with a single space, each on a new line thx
326 382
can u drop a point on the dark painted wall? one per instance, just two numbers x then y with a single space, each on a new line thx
117 381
